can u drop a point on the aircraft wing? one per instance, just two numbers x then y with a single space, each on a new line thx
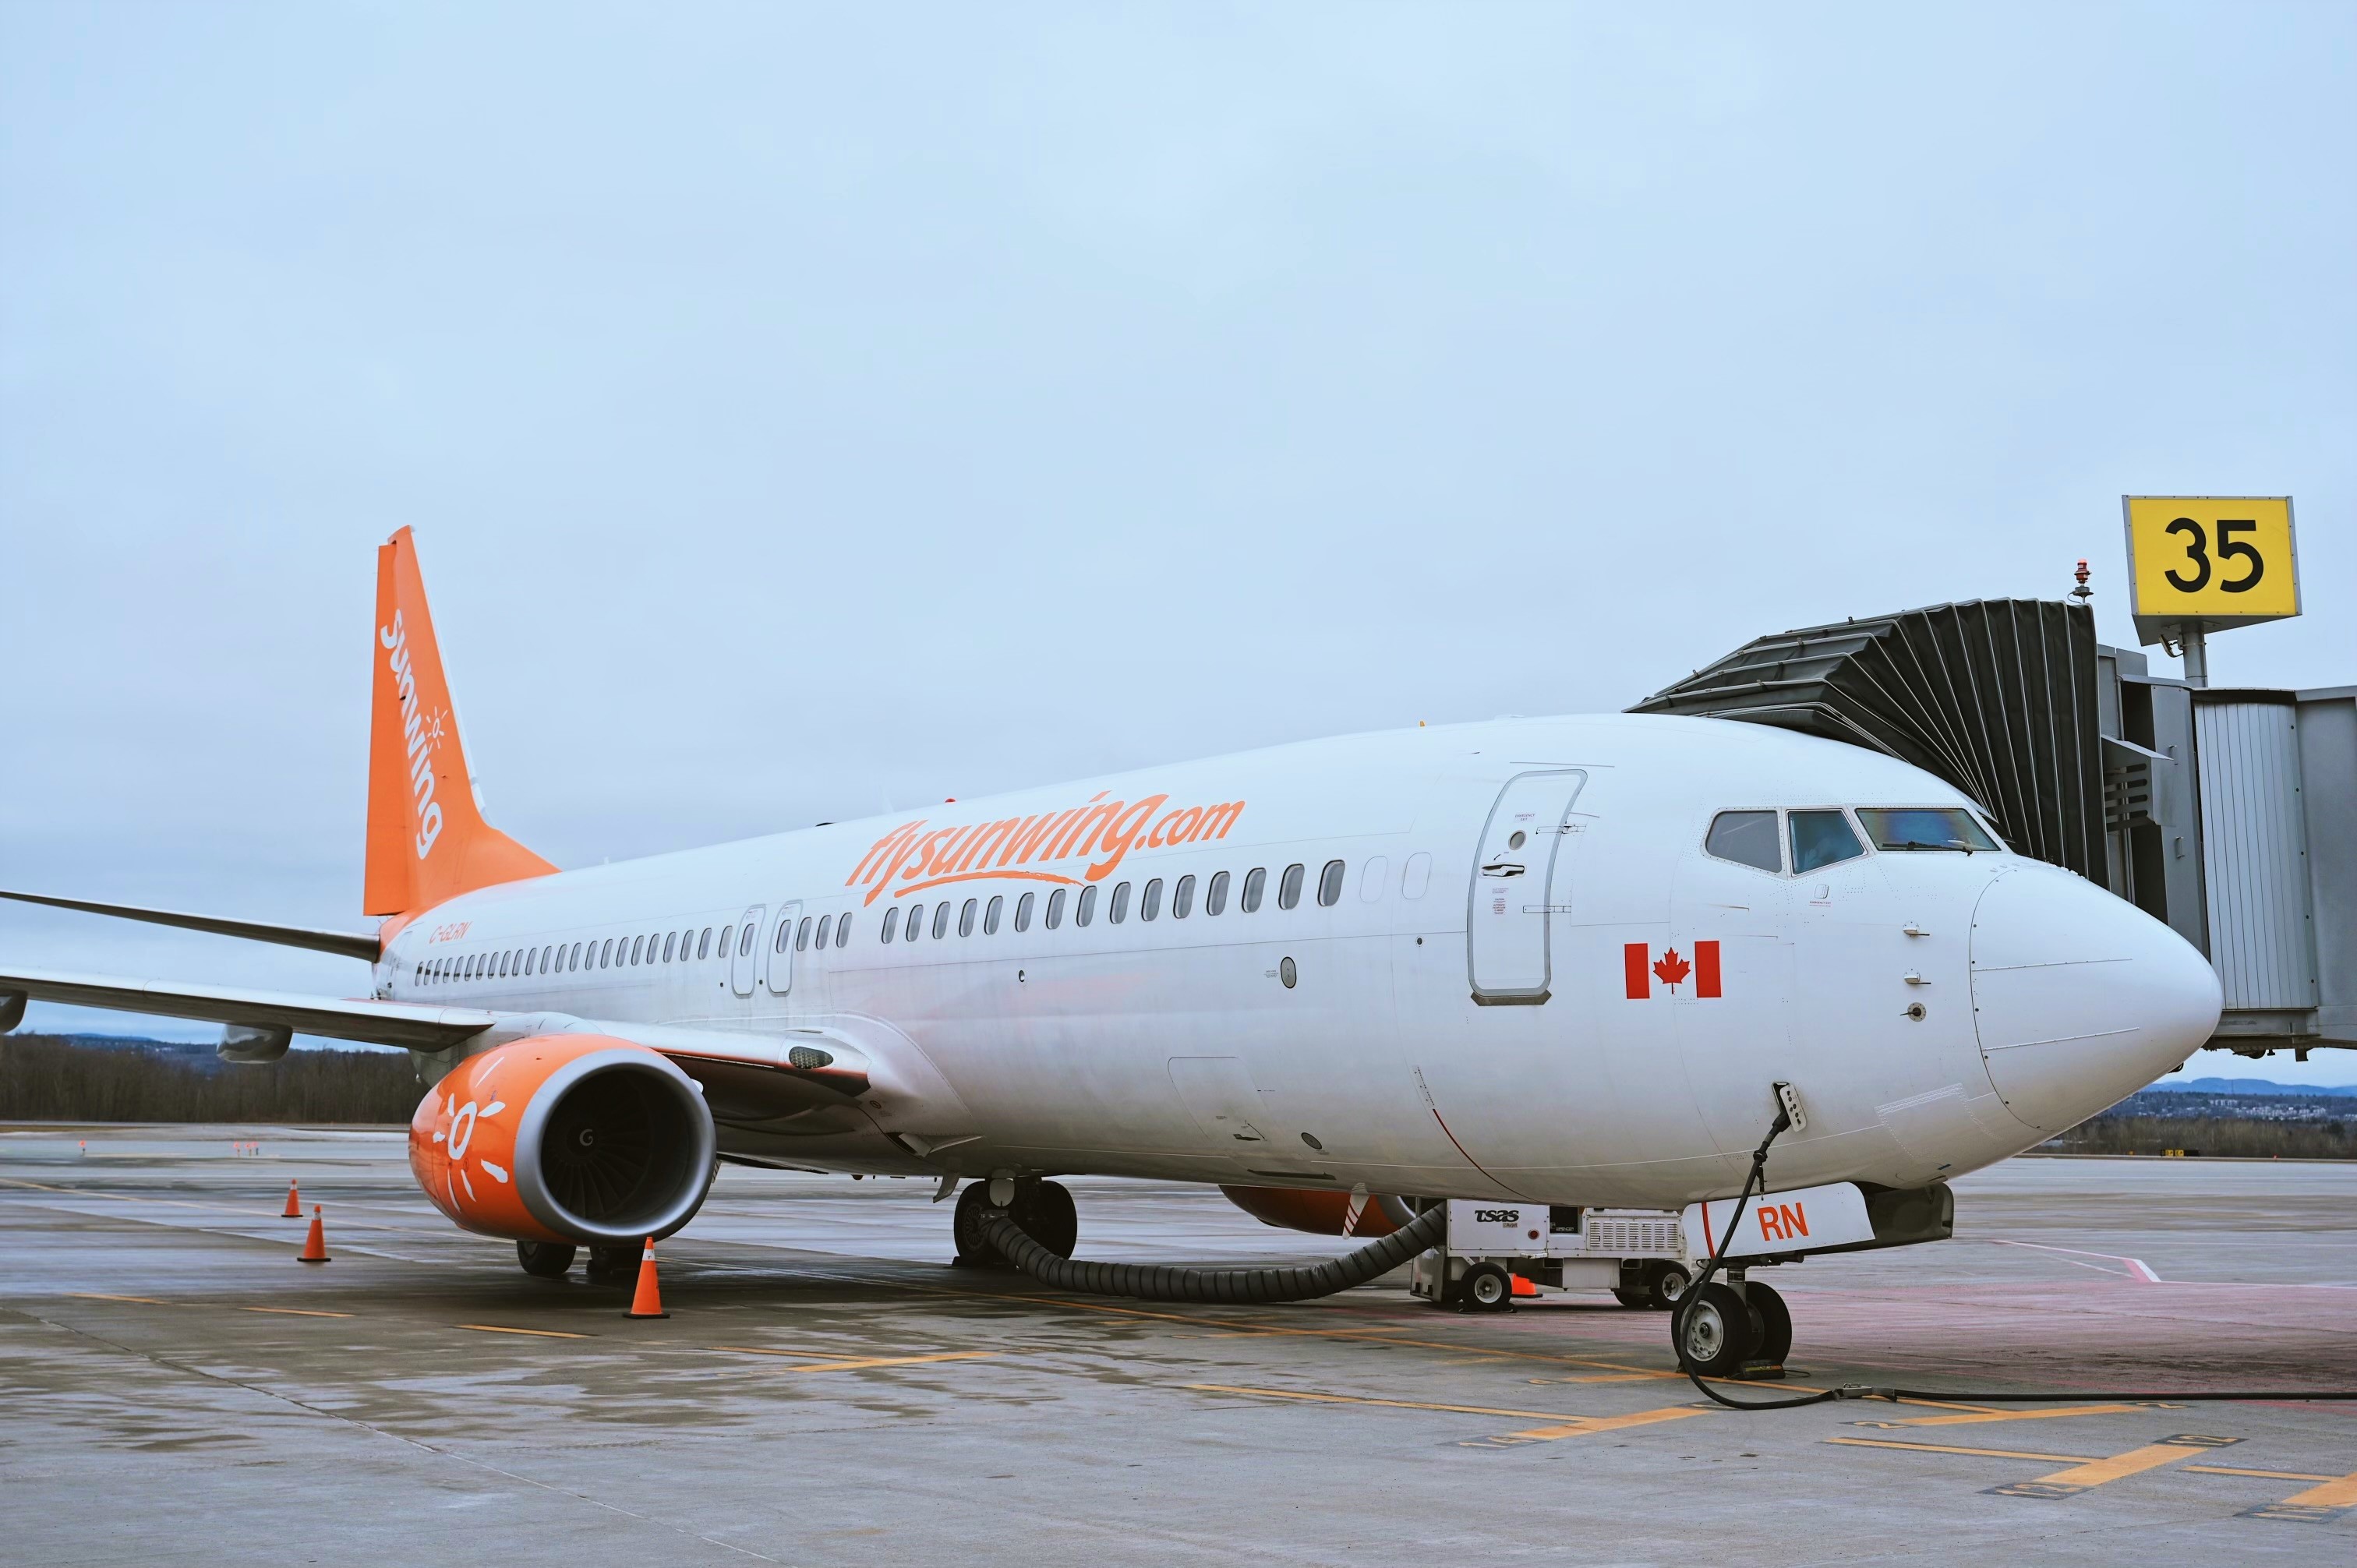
376 1023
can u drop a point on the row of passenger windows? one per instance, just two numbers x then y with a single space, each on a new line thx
1149 903
682 947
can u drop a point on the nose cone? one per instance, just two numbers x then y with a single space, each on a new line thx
2081 998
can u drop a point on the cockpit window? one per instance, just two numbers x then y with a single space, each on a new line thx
1748 837
1924 827
1823 838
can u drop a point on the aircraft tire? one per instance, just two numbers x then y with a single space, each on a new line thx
1044 1211
544 1259
1642 1300
1714 1331
1667 1282
974 1248
1775 1323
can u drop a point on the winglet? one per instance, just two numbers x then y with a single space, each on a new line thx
426 838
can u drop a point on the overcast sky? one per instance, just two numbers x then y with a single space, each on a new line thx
803 411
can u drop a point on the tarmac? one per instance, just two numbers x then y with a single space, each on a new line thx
827 1390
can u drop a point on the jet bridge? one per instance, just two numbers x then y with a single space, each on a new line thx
2226 812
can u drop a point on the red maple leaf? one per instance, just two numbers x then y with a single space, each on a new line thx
1672 968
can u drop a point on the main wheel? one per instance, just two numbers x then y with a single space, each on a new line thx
1487 1287
1713 1331
613 1265
544 1259
1668 1282
974 1249
1775 1325
1043 1210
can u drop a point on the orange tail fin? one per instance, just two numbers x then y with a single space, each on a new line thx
426 839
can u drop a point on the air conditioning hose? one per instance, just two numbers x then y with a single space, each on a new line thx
1152 1281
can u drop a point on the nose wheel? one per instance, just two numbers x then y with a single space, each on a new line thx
1042 1210
1725 1330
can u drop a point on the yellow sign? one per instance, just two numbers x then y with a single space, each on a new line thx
2211 562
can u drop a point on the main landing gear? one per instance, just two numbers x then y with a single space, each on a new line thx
551 1260
1042 1210
1731 1328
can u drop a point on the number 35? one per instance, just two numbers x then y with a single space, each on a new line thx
2197 551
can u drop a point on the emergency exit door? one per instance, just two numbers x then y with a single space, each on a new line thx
1519 884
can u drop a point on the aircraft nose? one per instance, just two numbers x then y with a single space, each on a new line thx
2081 998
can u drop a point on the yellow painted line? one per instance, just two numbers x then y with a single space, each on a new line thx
152 1301
1950 1448
889 1361
295 1312
766 1350
2262 1475
1600 1378
1391 1405
1600 1423
1979 1417
2095 1472
2340 1492
536 1333
142 1300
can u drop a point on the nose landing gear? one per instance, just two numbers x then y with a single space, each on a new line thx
1732 1329
1042 1210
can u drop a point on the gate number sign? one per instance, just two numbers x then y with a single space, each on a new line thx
2214 561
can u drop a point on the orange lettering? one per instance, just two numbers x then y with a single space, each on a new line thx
1770 1228
1115 837
882 851
1218 819
1796 1220
1083 830
1175 828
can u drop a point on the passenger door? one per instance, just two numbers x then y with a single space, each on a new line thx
1515 887
782 949
745 957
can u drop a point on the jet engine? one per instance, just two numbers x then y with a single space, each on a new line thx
1319 1213
566 1138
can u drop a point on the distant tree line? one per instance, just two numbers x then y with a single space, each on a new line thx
51 1077
2236 1137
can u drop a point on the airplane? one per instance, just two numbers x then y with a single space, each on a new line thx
1551 960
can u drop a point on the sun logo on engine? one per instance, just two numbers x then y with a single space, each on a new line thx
464 1121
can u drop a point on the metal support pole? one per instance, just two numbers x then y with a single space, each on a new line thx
2196 643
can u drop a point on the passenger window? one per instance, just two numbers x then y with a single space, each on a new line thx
843 931
1023 912
785 934
1182 898
916 927
745 942
1055 909
1087 910
550 955
575 962
891 922
634 949
1150 905
1289 890
1215 896
704 943
1255 884
803 934
824 922
728 934
1371 879
990 916
606 954
1747 838
670 942
966 912
941 919
1120 910
1329 885
1821 838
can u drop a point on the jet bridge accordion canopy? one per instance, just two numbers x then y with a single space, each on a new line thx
1996 696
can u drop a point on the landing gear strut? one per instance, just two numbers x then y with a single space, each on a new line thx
1042 1210
613 1265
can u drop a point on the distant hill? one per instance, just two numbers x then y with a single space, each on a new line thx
2246 1085
110 1078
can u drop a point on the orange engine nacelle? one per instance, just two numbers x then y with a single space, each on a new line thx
579 1138
1319 1213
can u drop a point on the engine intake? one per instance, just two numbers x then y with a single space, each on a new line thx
579 1138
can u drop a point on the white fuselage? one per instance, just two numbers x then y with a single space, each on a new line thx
1458 1022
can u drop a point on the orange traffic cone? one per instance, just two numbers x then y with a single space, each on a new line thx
648 1302
1524 1287
294 1209
314 1245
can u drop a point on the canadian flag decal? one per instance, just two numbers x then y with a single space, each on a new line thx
1672 969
